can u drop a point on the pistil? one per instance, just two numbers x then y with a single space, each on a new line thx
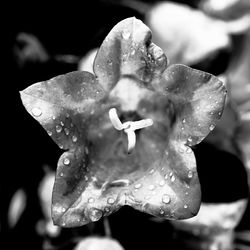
129 127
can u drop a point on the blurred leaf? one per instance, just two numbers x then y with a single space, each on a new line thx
16 207
98 243
188 35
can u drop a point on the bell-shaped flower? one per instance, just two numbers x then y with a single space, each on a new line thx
127 130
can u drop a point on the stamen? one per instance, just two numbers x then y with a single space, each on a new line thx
115 119
131 140
141 124
129 127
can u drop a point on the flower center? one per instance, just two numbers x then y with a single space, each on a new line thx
129 127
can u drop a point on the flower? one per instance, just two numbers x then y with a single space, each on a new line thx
133 102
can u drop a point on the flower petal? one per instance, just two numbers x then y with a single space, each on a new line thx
63 105
128 51
170 188
198 100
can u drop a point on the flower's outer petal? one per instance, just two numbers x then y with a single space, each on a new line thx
62 105
170 188
198 100
128 51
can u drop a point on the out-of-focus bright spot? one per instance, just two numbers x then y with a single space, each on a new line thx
188 35
45 189
86 63
222 216
220 4
98 243
16 207
214 224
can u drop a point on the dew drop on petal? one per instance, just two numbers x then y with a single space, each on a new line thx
173 178
36 112
185 206
111 200
211 127
49 133
66 130
190 174
125 34
184 120
162 183
95 214
74 138
61 174
166 176
53 117
58 128
91 200
66 161
189 139
62 123
166 199
109 62
188 150
138 185
161 212
151 171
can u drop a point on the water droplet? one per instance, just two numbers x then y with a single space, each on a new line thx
211 127
36 112
185 206
91 200
188 150
109 62
161 212
107 209
166 176
190 174
58 128
86 151
171 174
184 120
125 34
63 224
60 146
111 200
74 138
151 171
189 139
151 187
49 133
182 128
61 174
95 214
62 123
166 199
66 130
63 209
173 178
138 185
53 117
219 113
162 183
66 161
